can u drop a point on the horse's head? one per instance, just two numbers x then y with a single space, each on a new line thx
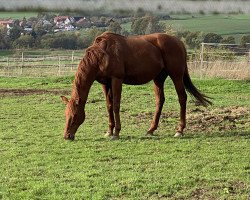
75 116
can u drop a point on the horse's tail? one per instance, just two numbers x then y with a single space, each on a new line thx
201 98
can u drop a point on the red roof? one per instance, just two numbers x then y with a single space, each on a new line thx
6 22
60 18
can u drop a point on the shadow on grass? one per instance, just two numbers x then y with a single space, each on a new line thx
157 137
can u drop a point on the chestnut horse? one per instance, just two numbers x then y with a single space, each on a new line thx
113 60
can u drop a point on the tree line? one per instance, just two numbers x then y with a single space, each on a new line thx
41 37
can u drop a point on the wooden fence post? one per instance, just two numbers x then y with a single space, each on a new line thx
59 66
248 61
21 69
72 61
8 70
201 59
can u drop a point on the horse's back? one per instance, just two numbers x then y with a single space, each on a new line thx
137 60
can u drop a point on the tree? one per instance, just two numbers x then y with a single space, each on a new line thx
228 40
194 39
24 41
170 30
91 35
3 38
245 39
24 22
46 16
147 25
15 33
212 38
39 29
115 27
59 40
139 25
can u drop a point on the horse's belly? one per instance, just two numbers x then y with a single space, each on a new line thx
141 76
135 80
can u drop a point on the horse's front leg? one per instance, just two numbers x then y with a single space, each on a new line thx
109 103
116 91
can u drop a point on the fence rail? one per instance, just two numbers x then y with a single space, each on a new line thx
38 65
44 66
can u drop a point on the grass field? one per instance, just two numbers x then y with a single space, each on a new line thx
17 15
220 24
211 162
234 25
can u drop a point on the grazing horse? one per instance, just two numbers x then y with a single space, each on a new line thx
113 59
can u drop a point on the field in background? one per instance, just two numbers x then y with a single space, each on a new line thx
210 162
226 25
17 15
232 25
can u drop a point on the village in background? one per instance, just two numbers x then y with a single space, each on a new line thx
76 31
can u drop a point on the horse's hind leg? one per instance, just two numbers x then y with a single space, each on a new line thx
109 102
182 96
159 100
116 91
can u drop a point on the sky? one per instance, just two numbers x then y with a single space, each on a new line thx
153 5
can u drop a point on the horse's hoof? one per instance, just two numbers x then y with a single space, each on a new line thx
178 134
107 135
149 134
115 137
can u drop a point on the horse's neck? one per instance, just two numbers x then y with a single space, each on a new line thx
84 79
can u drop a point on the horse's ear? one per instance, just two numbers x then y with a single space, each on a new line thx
64 99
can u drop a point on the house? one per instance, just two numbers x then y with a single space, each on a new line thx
69 27
63 20
46 23
83 23
7 23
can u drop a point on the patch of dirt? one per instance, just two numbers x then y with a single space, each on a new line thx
232 190
219 119
200 193
204 120
24 92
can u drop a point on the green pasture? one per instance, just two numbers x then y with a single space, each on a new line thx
212 161
232 24
17 14
220 24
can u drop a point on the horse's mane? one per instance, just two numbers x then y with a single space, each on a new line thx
97 56
90 61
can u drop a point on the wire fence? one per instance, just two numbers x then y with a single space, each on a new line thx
201 65
38 66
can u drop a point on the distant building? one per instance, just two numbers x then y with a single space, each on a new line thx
7 23
83 23
69 28
59 20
